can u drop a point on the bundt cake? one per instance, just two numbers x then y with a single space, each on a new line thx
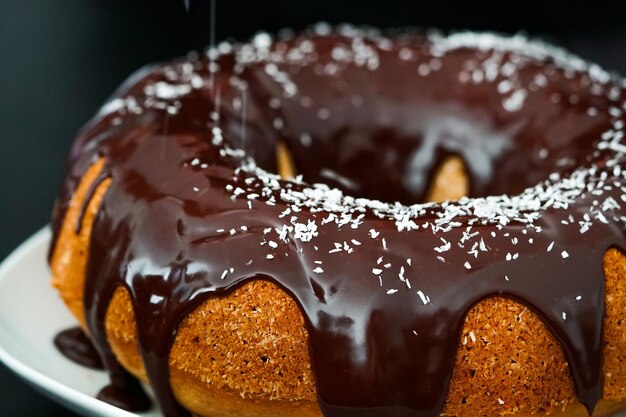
363 280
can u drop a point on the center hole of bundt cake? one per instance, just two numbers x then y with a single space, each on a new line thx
434 157
449 181
438 153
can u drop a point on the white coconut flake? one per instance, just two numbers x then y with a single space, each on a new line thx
422 297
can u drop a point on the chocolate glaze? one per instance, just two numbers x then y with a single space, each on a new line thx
375 118
125 392
77 347
129 398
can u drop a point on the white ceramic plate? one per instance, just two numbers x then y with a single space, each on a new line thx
31 314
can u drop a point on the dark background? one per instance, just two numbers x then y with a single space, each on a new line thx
60 59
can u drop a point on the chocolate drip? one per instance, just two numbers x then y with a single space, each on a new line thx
182 231
127 397
88 196
124 391
76 346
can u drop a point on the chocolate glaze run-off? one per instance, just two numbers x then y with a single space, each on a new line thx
129 398
76 346
192 217
124 392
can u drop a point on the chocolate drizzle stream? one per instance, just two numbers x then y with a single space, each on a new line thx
380 123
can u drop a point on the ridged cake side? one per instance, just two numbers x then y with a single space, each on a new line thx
246 354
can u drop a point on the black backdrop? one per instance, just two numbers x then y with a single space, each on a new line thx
60 59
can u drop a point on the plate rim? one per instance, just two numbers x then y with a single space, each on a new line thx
54 389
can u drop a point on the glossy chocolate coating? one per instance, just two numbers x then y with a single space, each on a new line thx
76 346
190 218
